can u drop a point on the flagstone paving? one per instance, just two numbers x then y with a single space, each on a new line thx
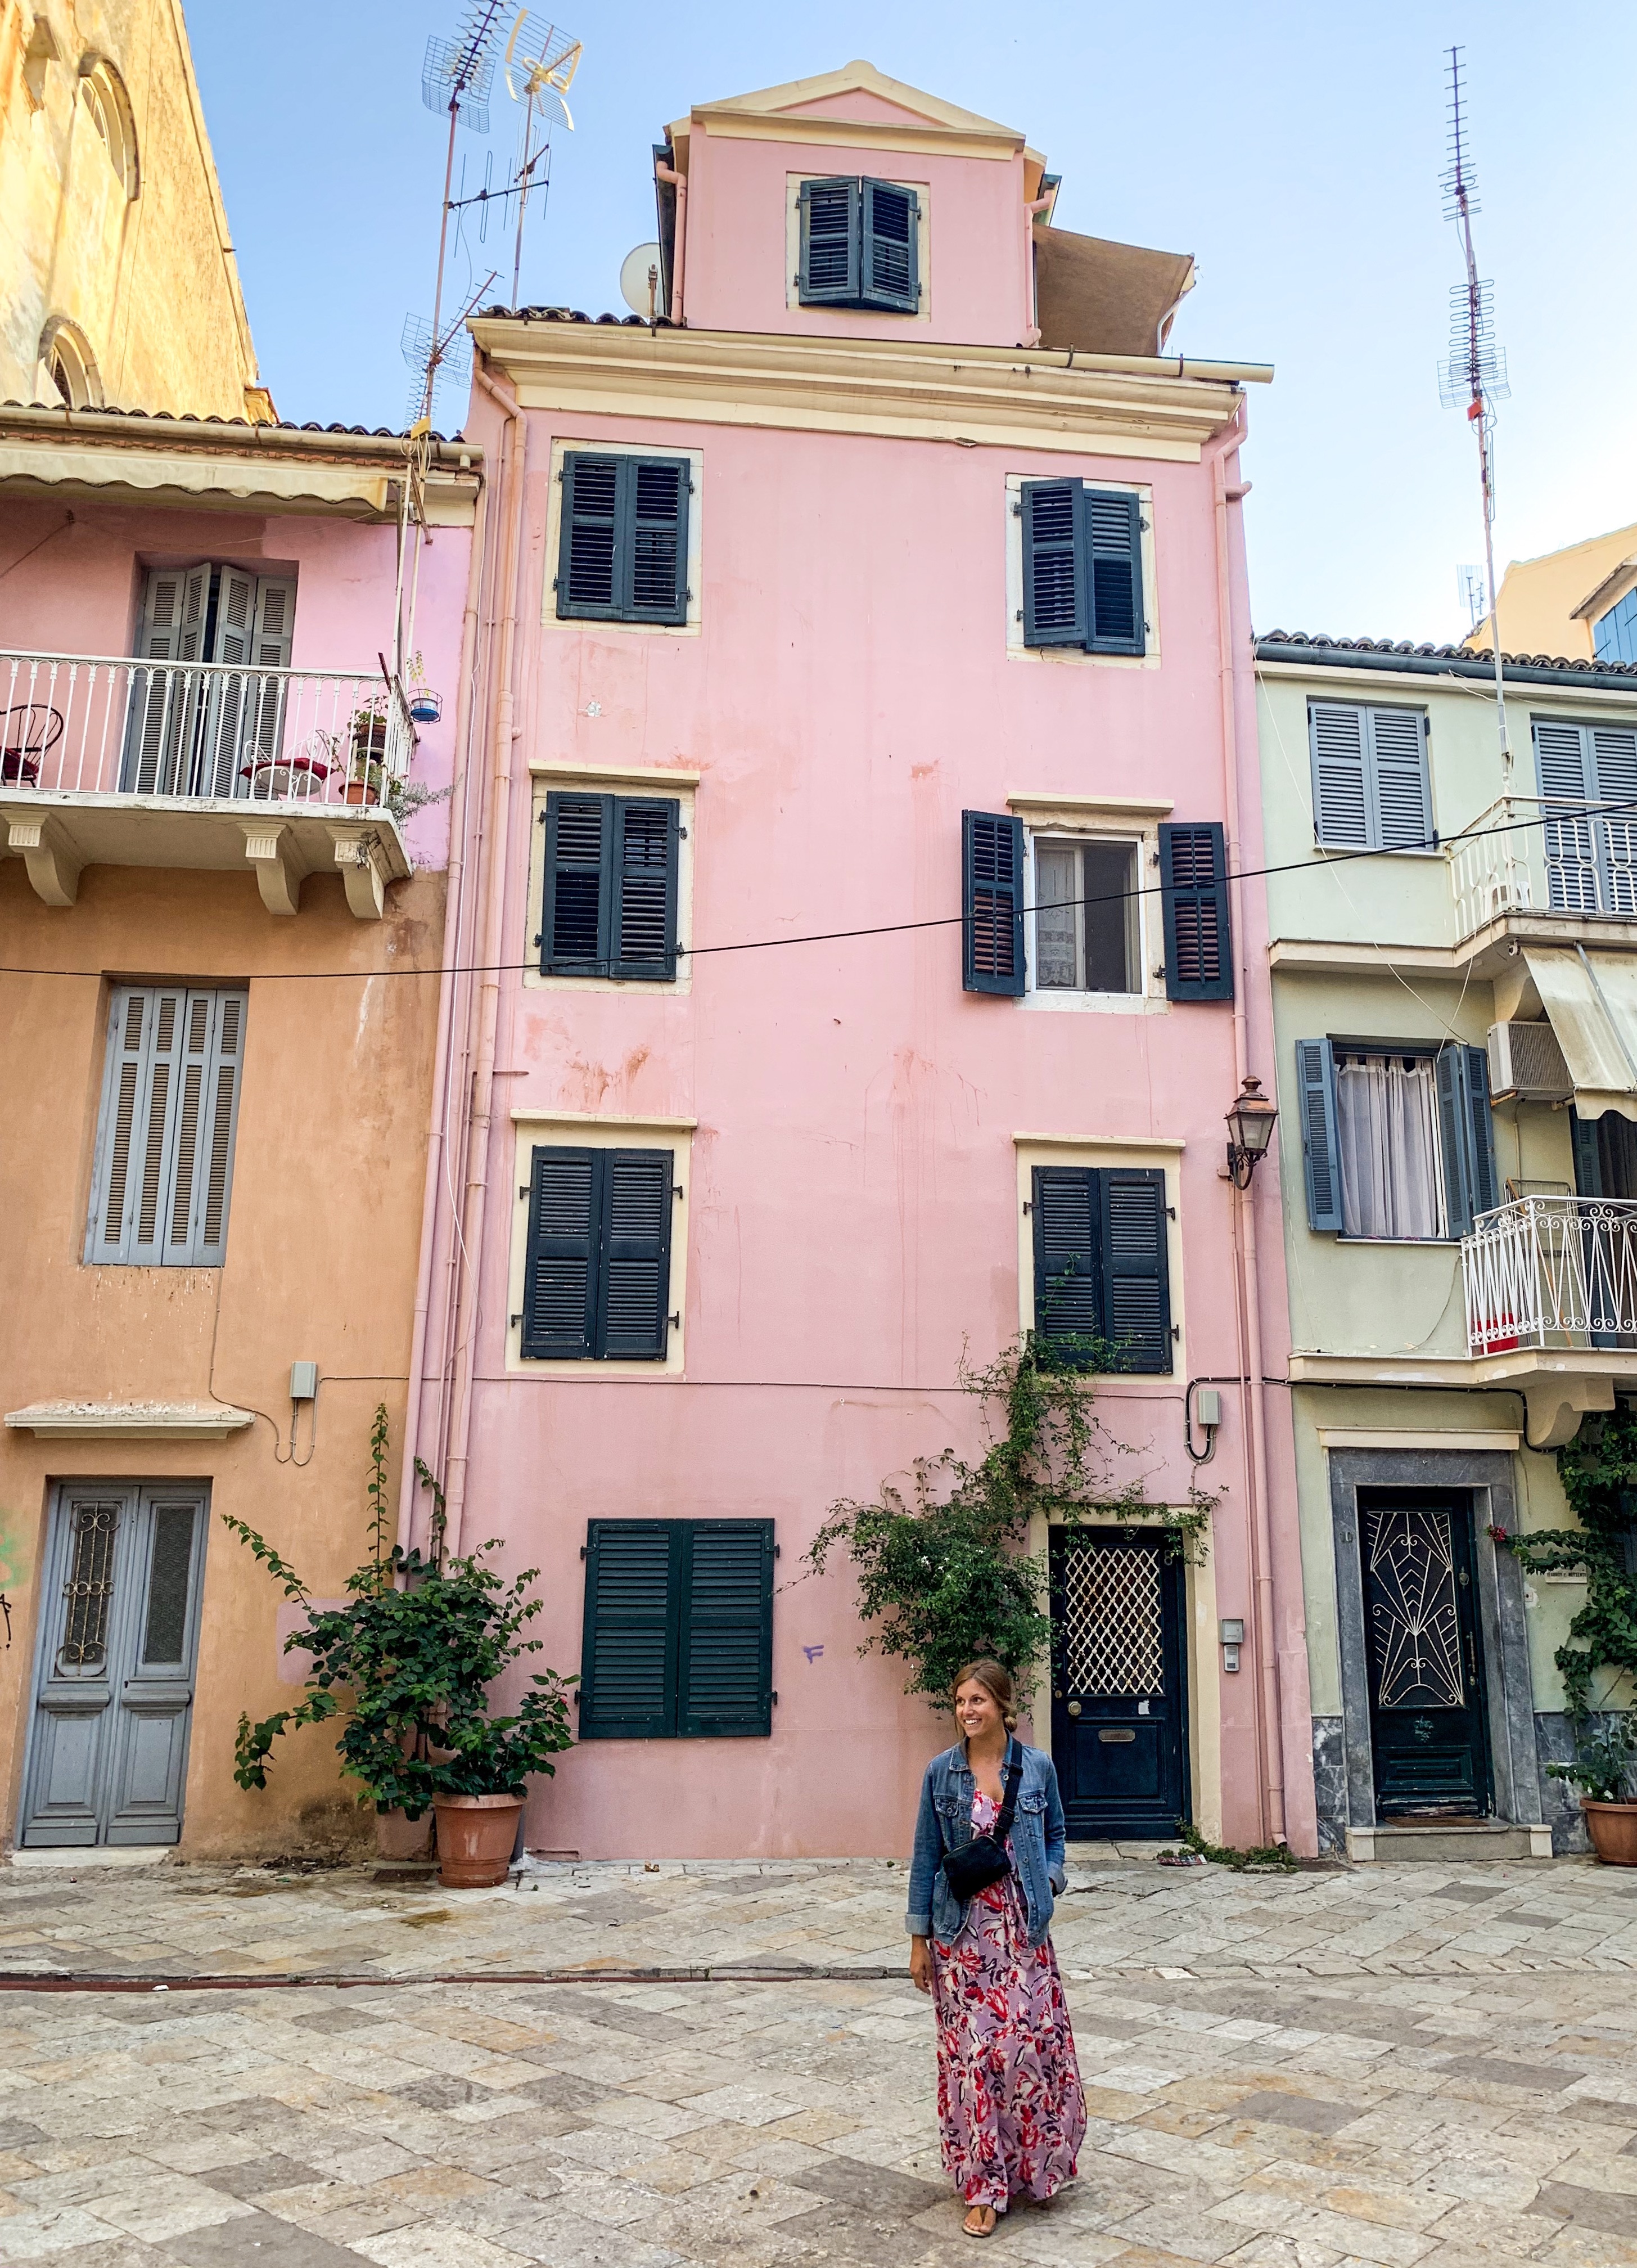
1379 2068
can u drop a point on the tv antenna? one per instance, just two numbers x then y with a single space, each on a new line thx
456 77
1470 586
540 64
1474 376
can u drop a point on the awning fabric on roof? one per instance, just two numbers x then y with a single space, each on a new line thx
1590 1000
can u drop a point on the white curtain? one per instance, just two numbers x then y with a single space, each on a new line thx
1392 1177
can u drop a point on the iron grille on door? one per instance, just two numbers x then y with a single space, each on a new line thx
1112 1636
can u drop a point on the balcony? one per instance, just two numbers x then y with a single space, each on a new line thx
1527 855
108 762
1551 1273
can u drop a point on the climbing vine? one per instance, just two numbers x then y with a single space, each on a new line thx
942 1568
1599 1470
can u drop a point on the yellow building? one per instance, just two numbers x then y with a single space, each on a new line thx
1579 604
118 285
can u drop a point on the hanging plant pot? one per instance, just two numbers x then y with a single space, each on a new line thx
425 707
476 1835
1613 1828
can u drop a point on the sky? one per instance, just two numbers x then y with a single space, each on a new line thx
1295 150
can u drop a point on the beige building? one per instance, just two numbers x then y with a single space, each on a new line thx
1579 604
118 284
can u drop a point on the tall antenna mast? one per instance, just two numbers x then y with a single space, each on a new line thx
1474 376
540 64
455 74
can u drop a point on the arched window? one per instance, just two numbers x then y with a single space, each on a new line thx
67 369
102 91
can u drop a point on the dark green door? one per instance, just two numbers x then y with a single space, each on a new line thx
1119 1696
1426 1656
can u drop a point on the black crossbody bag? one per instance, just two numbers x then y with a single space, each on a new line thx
975 1865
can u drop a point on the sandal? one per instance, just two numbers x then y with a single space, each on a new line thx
967 2228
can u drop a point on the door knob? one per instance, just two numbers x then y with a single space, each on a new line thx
1074 1708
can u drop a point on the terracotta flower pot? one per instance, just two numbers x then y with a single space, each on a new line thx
1613 1828
475 1833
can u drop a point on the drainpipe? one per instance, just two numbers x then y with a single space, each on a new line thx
1270 1713
679 182
492 935
466 712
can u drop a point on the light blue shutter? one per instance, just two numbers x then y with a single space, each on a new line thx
1614 755
1321 1157
1341 802
1401 792
1466 1139
1564 765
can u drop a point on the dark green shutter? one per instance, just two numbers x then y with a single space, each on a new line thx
629 1653
654 538
578 895
1066 1209
1055 608
1321 1154
1194 894
992 888
1465 1135
636 1255
889 258
828 275
1587 1162
643 921
560 1283
1135 1268
588 563
1114 550
725 1646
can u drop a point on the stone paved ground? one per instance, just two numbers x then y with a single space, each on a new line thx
1385 2066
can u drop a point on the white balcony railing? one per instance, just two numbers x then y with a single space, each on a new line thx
77 725
1552 1272
1527 852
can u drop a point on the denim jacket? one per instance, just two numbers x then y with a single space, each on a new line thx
1038 1839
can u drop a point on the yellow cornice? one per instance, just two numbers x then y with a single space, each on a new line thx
910 389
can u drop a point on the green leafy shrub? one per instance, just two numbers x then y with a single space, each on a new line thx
1599 1470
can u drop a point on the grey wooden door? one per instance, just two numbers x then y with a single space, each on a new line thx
114 1683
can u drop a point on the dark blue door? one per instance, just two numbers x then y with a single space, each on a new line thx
1119 1695
1426 1662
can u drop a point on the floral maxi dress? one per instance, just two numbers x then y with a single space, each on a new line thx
1011 2115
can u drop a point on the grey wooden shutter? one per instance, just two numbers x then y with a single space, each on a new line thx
1321 1153
1066 1212
654 555
643 919
992 888
1466 1137
1400 791
628 1653
828 270
577 896
272 638
564 1237
1135 1268
163 706
1194 899
588 579
1614 760
205 1157
890 258
132 1013
636 1255
1340 804
1565 767
725 1636
230 746
1113 548
138 1138
1054 580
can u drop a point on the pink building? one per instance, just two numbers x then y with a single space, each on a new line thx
864 754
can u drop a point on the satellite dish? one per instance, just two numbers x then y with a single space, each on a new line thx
639 285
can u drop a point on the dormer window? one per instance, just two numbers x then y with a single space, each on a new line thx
859 244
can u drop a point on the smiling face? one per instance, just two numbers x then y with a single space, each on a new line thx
978 1713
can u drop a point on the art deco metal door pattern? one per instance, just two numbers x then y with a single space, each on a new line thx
114 1676
1426 1672
1119 1733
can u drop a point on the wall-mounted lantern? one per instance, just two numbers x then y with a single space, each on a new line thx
1250 1130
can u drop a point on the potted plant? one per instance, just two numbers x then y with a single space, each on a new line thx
406 1666
367 735
1605 1767
425 706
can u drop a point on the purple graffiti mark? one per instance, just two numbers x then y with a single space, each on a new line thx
812 1653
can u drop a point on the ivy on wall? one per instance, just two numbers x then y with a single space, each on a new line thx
1598 1471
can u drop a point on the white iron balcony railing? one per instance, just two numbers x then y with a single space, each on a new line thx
77 725
1529 853
1552 1272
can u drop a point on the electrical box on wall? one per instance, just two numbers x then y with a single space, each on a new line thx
304 1381
1231 1631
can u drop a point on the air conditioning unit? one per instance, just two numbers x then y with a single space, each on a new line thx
1526 1064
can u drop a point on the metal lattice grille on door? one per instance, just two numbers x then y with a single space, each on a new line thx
90 1585
1113 1639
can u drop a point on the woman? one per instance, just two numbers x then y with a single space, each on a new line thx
1011 2112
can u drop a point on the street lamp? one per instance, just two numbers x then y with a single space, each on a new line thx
1249 1130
